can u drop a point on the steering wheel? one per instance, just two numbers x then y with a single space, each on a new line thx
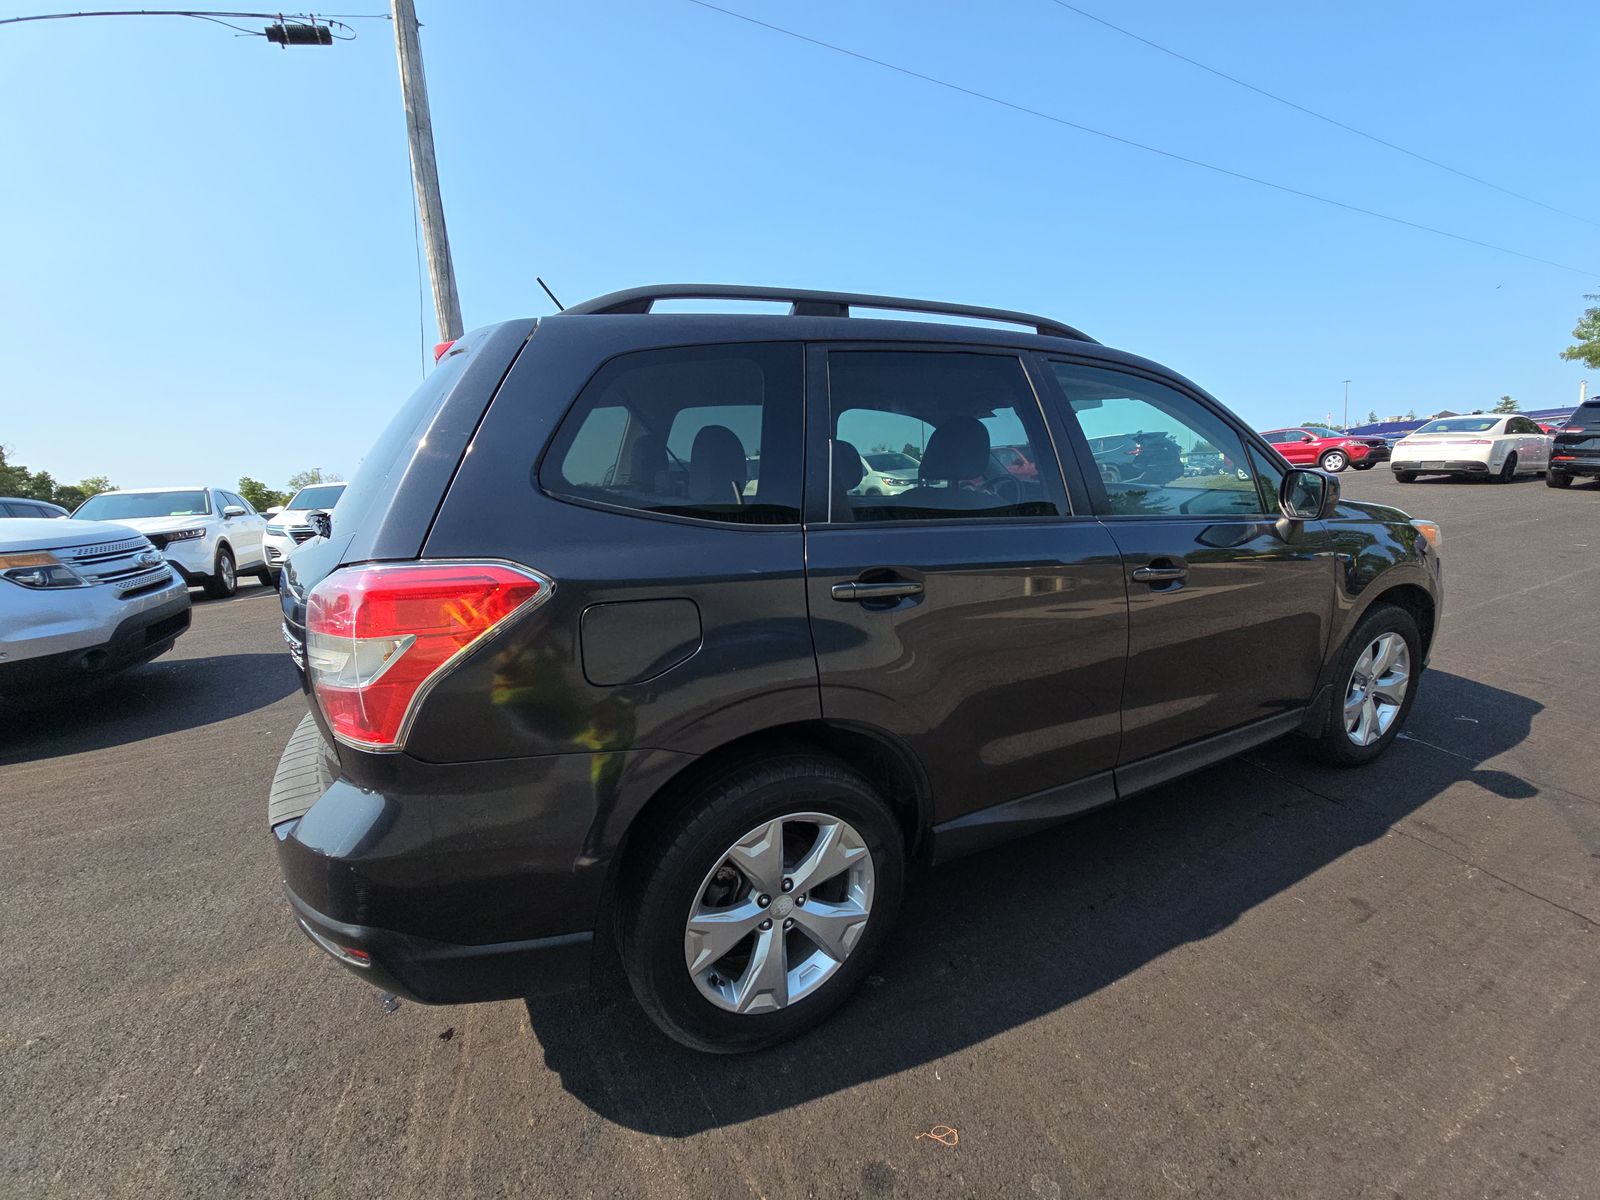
1004 487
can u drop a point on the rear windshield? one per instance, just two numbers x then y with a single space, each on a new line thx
322 495
1585 417
127 506
1460 425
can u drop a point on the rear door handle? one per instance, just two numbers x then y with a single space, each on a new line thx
1159 574
892 589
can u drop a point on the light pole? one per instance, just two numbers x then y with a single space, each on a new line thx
1346 426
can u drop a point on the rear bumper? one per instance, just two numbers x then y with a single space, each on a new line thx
459 882
1586 466
1463 466
431 972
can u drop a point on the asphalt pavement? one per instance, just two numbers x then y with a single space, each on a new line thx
1268 980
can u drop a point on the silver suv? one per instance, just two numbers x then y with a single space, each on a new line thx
81 599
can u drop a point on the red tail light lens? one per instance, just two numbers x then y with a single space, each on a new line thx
440 349
378 638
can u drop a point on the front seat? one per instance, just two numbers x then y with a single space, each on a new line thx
957 450
716 466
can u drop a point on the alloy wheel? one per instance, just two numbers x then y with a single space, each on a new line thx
225 565
1377 688
779 912
1334 460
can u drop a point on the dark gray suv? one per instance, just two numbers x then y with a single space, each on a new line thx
607 638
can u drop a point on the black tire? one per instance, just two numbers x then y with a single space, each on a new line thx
1508 469
267 576
1334 461
1334 745
674 864
1405 476
1556 479
1362 466
224 578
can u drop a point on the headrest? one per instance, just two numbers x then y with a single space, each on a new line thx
847 470
958 449
716 466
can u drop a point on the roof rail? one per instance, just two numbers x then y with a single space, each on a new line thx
805 303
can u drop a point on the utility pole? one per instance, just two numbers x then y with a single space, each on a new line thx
1343 428
424 170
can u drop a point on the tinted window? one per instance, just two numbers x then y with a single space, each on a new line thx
709 432
944 414
124 506
317 496
1277 437
1586 416
1144 436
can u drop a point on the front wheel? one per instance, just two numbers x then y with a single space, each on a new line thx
1405 476
1375 685
224 578
1508 469
1556 479
1334 461
762 904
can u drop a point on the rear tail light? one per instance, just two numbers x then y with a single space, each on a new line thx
440 349
378 638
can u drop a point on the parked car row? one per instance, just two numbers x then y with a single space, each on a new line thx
108 587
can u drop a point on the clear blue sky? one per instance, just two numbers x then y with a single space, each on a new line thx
209 266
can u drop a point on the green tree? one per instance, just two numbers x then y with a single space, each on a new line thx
261 497
1411 414
1372 417
911 451
1506 405
1587 332
302 479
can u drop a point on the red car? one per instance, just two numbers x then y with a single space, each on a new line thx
1316 446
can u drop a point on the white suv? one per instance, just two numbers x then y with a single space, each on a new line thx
290 525
210 536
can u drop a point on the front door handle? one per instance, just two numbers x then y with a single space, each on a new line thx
890 589
1159 574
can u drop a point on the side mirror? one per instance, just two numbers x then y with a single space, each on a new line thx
273 511
1306 437
321 523
1308 495
233 510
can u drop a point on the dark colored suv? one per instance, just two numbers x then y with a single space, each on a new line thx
1576 449
576 671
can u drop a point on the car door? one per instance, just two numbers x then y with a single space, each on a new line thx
1229 609
244 532
1533 448
974 618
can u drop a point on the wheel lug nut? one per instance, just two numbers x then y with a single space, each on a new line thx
788 922
767 924
800 899
788 885
763 900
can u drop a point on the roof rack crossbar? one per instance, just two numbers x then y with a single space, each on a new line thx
806 303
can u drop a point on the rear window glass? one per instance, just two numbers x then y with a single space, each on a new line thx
1586 416
707 432
1460 425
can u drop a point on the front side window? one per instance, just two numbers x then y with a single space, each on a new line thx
706 432
128 506
931 436
1157 451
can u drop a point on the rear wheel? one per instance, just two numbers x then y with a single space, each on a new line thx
1405 476
1556 479
224 578
763 904
1375 685
1334 461
1366 466
1508 469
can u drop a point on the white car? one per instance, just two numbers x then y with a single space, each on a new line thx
1487 445
289 525
79 600
886 473
208 535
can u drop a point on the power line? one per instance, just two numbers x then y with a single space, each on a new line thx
1311 112
216 18
1183 158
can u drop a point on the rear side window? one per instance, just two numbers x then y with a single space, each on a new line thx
934 436
711 433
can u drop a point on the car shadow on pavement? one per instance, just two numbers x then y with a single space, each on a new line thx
166 696
988 943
